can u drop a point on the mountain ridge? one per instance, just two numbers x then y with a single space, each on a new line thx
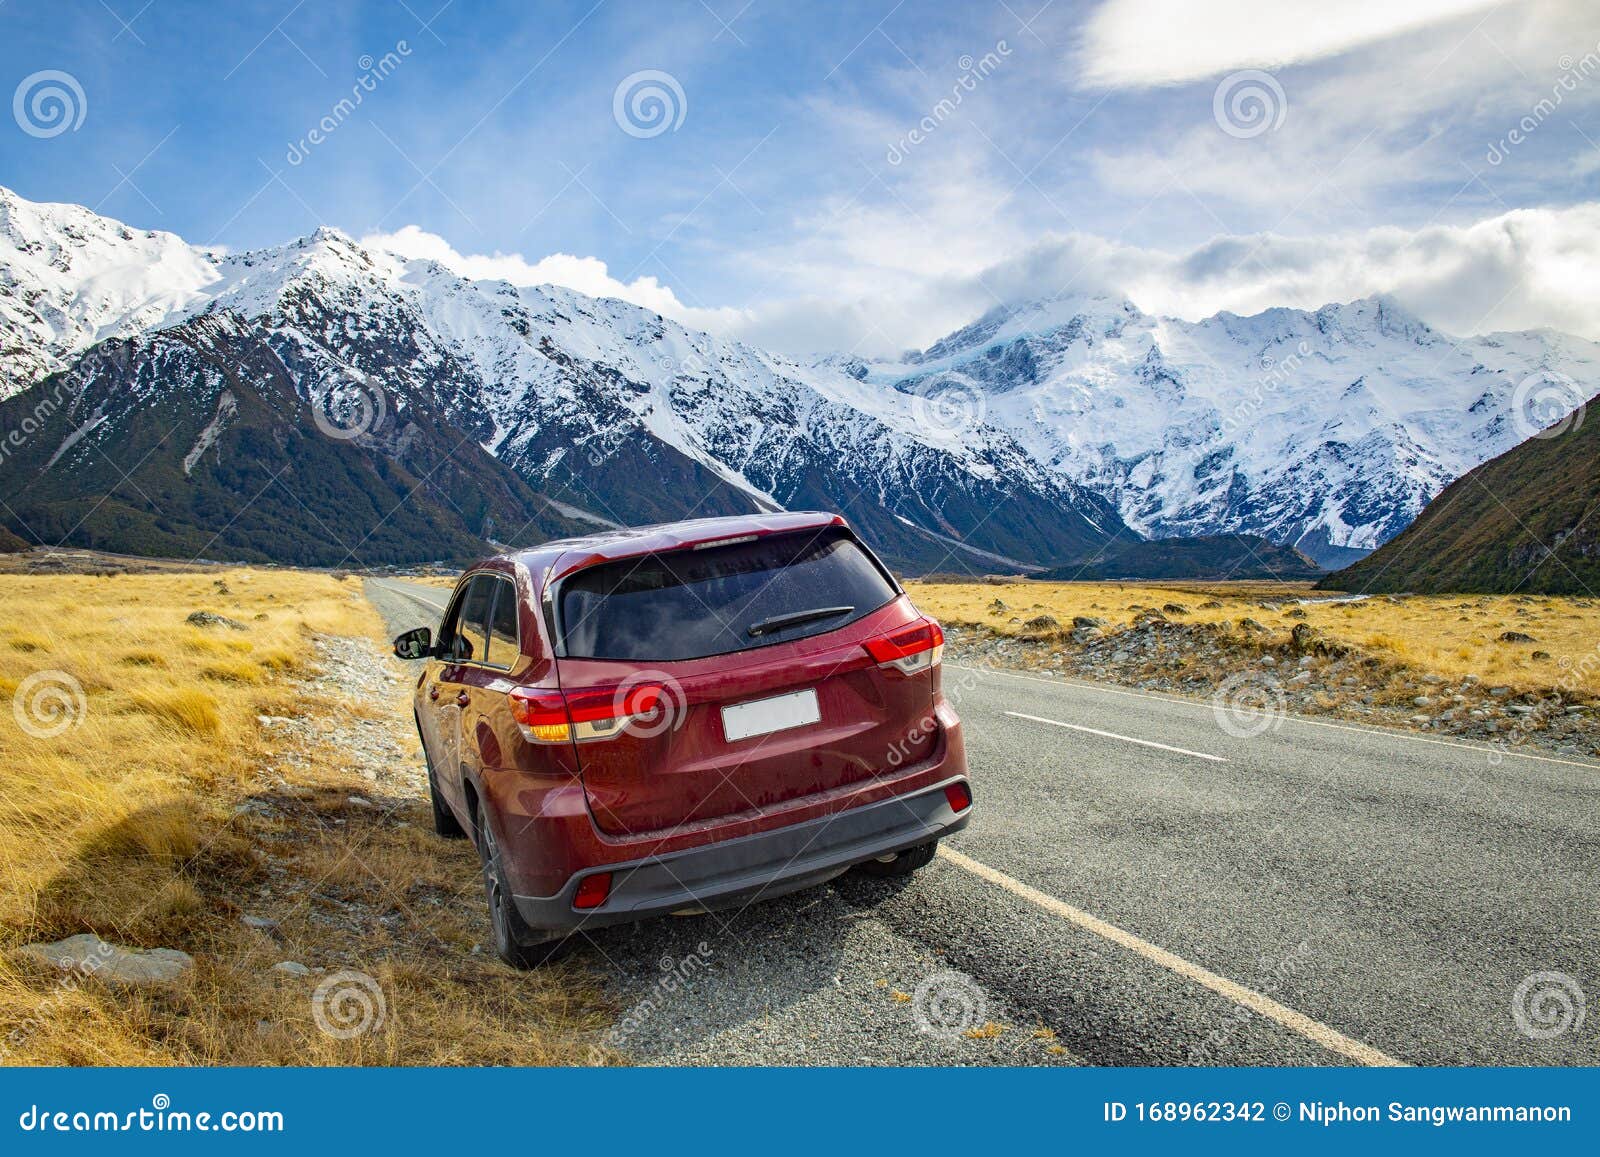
1037 434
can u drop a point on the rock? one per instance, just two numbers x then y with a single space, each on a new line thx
1499 692
1042 623
1297 613
260 923
1516 637
89 954
1422 701
207 619
1087 621
1300 679
1174 609
997 607
1211 605
291 968
1268 661
1540 655
360 801
1519 709
1250 626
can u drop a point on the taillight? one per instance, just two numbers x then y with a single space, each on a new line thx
542 715
918 647
958 795
593 712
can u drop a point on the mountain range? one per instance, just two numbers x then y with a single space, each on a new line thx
1526 522
324 402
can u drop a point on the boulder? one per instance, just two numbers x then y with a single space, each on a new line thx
209 619
92 956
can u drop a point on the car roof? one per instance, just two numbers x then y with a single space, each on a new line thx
553 560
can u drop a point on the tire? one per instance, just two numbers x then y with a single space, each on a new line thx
515 941
904 863
444 820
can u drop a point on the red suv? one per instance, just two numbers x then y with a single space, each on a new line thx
683 717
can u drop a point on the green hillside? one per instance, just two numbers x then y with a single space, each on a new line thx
1525 522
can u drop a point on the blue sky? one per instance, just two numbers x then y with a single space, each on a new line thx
811 191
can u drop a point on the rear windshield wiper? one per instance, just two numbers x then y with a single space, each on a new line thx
794 619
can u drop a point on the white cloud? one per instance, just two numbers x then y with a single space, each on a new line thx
1143 43
1519 270
585 274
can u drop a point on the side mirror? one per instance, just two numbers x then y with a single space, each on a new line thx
416 643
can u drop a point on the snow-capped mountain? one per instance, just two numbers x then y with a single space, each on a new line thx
184 390
600 411
1326 430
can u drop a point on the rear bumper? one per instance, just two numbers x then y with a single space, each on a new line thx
760 866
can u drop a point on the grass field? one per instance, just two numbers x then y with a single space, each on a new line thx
143 801
1443 634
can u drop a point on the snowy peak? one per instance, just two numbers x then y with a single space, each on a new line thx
70 278
1327 429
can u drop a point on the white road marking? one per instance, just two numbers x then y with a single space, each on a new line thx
1114 735
1298 1022
1379 732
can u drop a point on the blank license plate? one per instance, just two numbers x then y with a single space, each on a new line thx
765 716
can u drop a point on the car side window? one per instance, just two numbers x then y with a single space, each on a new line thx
469 636
504 646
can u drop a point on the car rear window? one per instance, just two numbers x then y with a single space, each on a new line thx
688 604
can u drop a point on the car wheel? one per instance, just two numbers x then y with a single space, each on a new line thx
515 941
903 863
444 820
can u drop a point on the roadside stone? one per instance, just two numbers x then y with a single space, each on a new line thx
208 619
1516 637
291 968
89 954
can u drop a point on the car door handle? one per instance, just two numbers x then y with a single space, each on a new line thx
461 698
433 692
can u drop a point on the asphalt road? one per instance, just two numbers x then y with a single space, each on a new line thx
1140 886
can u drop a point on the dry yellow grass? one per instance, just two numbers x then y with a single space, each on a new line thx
135 804
1450 635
